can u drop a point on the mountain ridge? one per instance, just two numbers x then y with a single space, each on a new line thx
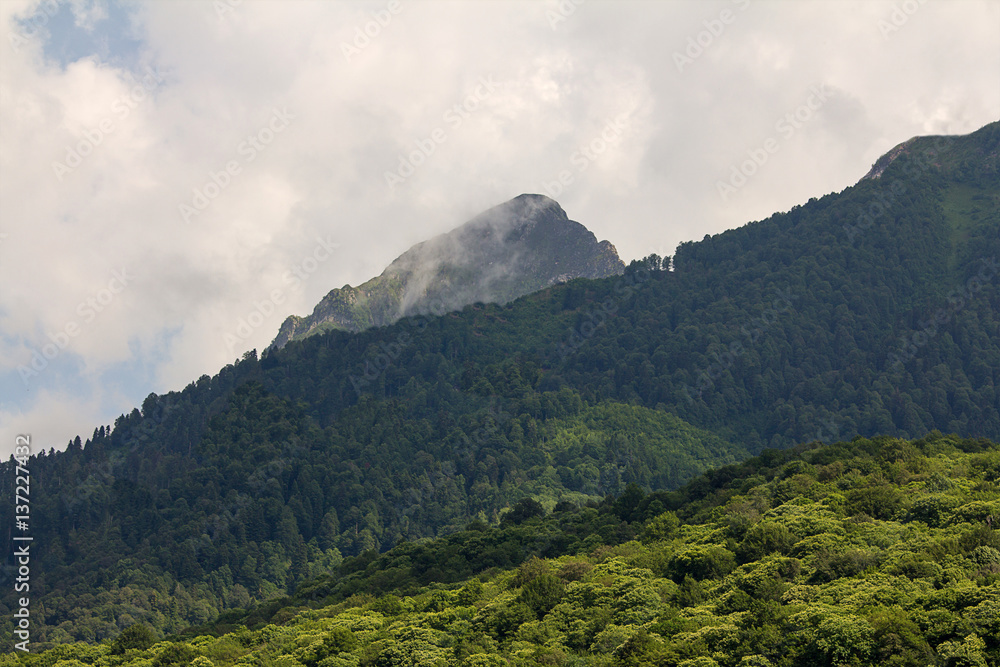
940 151
244 484
509 250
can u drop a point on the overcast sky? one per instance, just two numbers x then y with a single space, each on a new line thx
167 169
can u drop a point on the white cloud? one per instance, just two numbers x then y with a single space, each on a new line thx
87 13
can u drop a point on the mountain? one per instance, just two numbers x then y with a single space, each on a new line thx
871 312
513 249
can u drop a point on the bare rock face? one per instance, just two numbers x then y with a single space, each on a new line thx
513 249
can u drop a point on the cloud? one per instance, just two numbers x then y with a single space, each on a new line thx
187 109
88 13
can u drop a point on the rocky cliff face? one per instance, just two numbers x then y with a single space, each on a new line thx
513 249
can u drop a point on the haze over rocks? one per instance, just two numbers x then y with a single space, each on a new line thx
510 250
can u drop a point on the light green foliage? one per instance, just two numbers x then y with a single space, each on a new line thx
702 562
845 639
611 637
306 463
701 661
485 660
967 653
755 661
810 581
661 528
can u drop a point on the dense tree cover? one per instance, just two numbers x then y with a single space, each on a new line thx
872 311
869 311
870 552
267 498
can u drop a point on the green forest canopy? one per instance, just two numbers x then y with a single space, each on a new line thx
869 552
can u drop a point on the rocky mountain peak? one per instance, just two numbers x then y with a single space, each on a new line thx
515 248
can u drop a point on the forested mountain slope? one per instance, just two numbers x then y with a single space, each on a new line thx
869 552
874 310
871 311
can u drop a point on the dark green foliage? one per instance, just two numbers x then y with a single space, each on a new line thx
879 502
470 593
340 640
898 639
916 566
525 509
830 566
662 527
501 622
855 590
176 655
764 539
800 328
690 593
138 636
542 593
933 510
388 605
270 500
